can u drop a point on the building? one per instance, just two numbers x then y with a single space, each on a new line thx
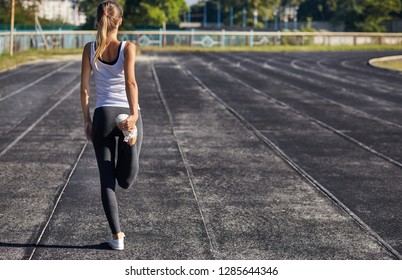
66 11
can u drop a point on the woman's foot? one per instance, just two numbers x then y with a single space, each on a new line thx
129 136
132 139
117 243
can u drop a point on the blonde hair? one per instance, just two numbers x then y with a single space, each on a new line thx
107 18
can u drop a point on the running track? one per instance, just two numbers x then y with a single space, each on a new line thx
245 156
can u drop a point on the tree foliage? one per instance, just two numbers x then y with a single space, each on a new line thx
140 12
24 15
266 9
363 15
153 12
318 10
355 15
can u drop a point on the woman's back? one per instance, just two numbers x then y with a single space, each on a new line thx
109 76
111 52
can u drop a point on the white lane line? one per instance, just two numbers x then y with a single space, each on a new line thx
58 200
11 127
32 126
185 161
361 82
34 82
312 119
19 70
377 84
295 166
347 107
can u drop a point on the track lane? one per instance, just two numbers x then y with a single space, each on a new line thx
328 233
34 98
237 195
358 65
330 65
360 93
322 159
158 215
33 173
21 81
383 136
212 242
21 69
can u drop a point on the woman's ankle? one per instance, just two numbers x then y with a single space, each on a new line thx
119 235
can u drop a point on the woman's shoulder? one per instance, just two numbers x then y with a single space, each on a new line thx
88 46
87 49
129 46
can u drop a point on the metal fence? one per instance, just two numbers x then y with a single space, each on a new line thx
194 38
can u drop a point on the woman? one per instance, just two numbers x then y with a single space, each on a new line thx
112 64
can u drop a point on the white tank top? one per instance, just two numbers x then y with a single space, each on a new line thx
109 80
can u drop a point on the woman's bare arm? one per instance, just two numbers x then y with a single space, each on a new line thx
131 86
85 90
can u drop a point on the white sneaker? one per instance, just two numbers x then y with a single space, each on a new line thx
117 244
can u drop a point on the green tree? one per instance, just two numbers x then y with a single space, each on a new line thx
24 15
364 15
315 9
153 12
154 15
265 8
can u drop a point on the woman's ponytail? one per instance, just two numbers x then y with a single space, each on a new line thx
107 18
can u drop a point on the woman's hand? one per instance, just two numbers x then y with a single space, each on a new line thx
128 124
88 130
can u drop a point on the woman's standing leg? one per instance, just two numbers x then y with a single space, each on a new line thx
128 158
104 141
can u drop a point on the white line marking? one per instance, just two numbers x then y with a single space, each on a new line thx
185 161
360 82
300 170
58 200
352 109
312 119
34 82
32 126
18 70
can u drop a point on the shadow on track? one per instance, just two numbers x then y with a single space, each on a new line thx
101 246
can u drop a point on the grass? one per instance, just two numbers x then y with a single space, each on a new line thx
10 62
390 64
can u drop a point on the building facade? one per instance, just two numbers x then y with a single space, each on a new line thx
66 11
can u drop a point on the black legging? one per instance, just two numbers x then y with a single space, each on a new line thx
125 170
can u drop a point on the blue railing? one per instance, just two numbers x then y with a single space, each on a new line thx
195 38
